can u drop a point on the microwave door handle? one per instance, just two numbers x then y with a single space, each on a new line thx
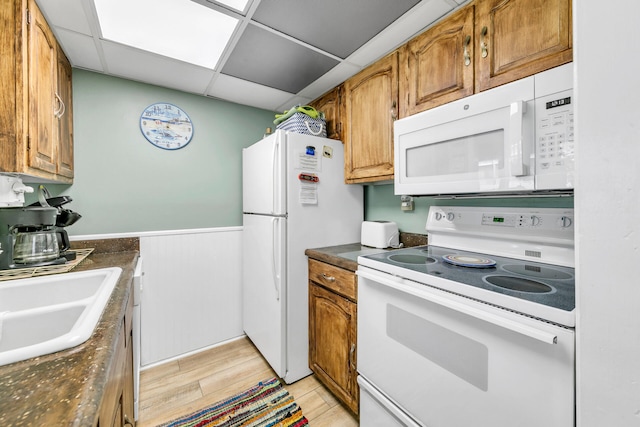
516 117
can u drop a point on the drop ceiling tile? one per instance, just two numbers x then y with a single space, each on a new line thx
68 14
401 31
263 57
247 93
335 26
80 49
146 67
333 78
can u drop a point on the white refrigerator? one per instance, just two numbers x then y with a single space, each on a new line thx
294 198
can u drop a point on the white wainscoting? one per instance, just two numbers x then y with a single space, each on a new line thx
191 297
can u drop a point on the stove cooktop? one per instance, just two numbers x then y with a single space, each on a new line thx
540 290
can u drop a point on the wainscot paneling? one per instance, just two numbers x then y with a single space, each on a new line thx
191 296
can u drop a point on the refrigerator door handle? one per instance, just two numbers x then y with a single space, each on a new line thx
275 176
273 257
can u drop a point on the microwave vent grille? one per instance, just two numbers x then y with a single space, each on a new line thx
536 254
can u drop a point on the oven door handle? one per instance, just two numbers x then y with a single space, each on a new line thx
514 326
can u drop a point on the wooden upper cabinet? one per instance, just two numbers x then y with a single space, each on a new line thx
370 108
437 66
329 104
36 124
65 117
518 38
42 101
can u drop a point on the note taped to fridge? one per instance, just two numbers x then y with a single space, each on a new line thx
308 192
308 161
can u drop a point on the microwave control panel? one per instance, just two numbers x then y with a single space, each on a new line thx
555 143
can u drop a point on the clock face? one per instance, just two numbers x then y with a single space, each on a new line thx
166 126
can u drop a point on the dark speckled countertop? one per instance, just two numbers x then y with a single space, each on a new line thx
66 388
346 256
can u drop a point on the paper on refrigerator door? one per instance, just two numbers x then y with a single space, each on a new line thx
309 160
308 193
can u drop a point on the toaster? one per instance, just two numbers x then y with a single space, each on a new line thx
379 234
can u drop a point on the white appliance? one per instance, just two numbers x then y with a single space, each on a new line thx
294 198
380 234
514 138
475 329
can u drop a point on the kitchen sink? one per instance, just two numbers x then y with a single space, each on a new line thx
46 314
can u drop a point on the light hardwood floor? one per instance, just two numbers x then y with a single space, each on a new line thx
182 386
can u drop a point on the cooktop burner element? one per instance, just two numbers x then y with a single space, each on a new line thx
411 259
469 261
519 284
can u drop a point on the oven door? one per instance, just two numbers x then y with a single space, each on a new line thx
482 143
451 361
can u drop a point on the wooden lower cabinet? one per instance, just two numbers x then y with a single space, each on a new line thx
116 408
333 330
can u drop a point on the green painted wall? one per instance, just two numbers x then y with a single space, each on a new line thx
382 204
125 184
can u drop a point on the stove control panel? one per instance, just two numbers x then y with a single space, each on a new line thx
460 219
541 234
524 220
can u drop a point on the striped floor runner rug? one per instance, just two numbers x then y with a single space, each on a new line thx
266 404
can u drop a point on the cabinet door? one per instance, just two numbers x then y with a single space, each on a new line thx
332 343
329 104
517 38
64 116
437 66
42 71
371 104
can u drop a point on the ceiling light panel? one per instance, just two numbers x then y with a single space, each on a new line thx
238 5
179 29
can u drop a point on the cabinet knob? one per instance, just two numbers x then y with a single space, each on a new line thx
467 55
484 45
328 278
394 110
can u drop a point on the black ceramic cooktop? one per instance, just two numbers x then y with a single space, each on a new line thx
546 284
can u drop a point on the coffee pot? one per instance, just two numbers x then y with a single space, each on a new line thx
33 247
28 237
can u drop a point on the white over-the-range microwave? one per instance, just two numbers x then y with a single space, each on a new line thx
516 138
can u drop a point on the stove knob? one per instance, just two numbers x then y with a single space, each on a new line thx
450 216
439 216
535 220
566 222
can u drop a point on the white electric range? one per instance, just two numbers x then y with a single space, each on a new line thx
474 329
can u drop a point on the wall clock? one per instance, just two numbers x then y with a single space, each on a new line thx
166 126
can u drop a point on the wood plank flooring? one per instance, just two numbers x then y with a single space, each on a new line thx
182 386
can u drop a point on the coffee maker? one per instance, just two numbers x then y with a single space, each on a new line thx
64 218
28 237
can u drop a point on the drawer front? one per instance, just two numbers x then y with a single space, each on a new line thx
334 278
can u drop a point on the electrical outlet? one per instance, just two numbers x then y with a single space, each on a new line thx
406 203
